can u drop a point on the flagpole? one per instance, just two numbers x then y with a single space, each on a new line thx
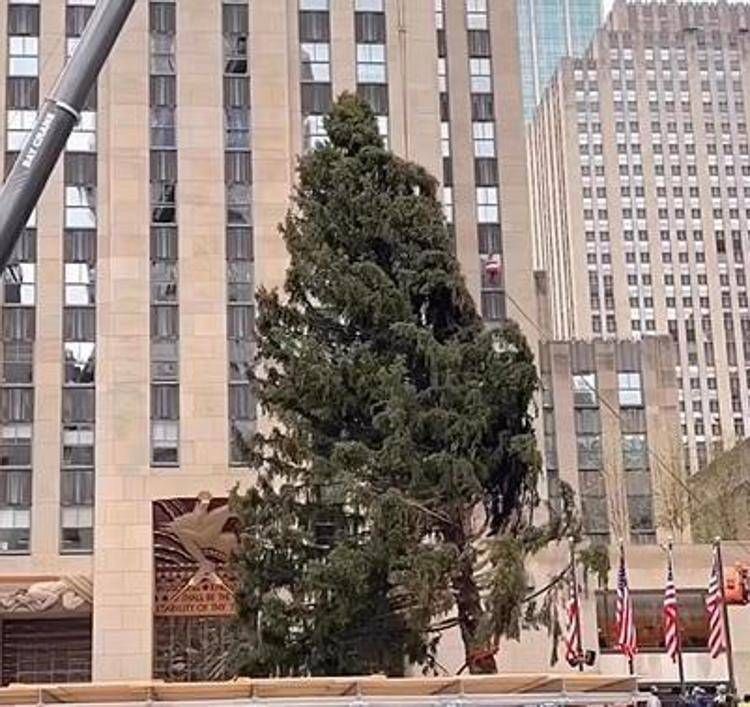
725 613
680 663
579 642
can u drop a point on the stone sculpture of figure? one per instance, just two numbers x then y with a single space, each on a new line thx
68 593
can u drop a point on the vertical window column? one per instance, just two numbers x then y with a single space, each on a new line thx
486 179
445 125
165 315
591 480
79 352
79 314
315 68
19 295
239 232
372 70
635 458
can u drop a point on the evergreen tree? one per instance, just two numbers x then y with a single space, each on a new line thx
397 476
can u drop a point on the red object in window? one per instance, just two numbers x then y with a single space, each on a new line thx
493 269
736 581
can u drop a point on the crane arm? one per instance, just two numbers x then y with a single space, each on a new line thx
56 119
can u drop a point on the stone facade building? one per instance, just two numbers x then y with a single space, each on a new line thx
641 187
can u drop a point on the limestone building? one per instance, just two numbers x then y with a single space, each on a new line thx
127 312
640 172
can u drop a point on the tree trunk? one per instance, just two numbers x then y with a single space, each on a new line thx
480 658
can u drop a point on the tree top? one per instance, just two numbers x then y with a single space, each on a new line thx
351 125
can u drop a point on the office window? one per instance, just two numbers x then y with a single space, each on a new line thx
23 56
316 62
629 389
235 28
164 237
371 66
164 424
19 297
488 208
18 128
584 390
634 451
493 306
314 131
15 511
77 510
476 14
484 139
239 247
480 71
594 510
83 137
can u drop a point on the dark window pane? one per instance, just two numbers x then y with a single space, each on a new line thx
376 95
78 405
163 91
165 402
234 19
18 359
80 246
493 306
79 324
370 27
238 167
165 322
162 17
485 172
164 243
19 323
80 168
22 93
240 322
316 98
23 20
239 244
479 43
482 107
76 17
77 488
489 238
314 27
15 488
17 404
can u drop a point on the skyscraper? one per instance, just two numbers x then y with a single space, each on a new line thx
549 30
127 312
641 188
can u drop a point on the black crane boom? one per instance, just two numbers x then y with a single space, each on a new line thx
58 116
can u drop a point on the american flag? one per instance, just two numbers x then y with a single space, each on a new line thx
671 615
573 629
626 638
717 642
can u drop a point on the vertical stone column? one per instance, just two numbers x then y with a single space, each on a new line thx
122 533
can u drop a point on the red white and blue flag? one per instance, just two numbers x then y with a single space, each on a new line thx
573 628
625 620
671 615
717 640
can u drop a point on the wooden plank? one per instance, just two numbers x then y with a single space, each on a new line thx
302 688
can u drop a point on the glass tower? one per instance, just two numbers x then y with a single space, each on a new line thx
547 31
